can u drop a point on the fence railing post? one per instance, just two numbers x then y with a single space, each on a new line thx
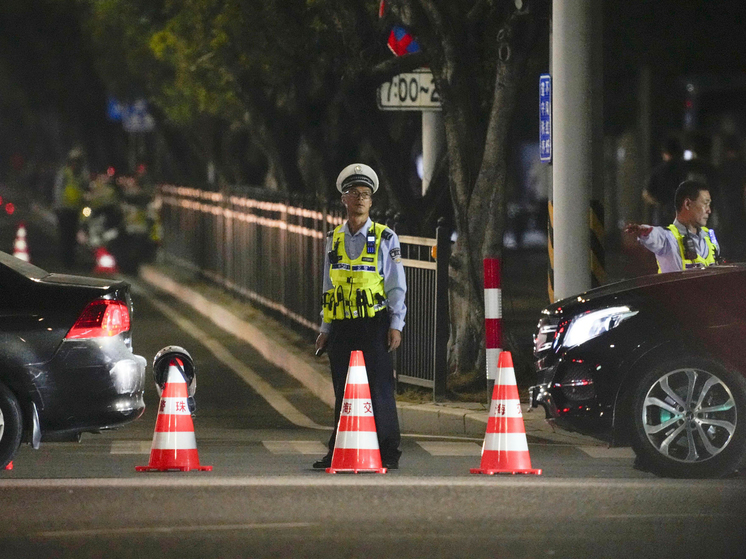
442 318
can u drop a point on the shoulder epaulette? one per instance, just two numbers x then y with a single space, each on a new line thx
387 234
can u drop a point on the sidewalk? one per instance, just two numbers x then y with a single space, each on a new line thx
289 351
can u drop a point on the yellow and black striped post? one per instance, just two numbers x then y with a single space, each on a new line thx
550 249
598 253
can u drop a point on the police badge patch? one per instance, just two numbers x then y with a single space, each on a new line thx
395 254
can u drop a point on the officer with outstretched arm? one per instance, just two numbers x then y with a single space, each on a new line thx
686 243
363 307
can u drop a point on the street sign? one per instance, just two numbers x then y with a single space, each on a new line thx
402 42
413 91
114 109
136 118
545 118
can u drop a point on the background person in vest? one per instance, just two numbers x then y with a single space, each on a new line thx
70 187
686 243
364 288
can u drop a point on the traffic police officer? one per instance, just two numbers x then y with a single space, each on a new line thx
364 288
69 192
686 243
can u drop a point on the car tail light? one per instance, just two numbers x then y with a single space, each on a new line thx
101 318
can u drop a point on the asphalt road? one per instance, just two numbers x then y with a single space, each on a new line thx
260 430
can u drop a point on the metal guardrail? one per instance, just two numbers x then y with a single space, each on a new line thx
272 253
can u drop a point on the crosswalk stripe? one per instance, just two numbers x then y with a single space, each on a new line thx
437 448
130 447
295 447
434 448
605 452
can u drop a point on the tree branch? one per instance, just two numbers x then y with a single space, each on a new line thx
477 12
386 70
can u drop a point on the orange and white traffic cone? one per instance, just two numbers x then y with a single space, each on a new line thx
505 449
356 445
105 262
20 246
9 465
174 445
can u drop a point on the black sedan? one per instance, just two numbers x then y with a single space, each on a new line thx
656 362
66 361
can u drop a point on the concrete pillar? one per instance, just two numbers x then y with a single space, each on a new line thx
572 169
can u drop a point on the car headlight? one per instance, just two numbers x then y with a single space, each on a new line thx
594 323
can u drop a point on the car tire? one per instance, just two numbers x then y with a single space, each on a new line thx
11 425
689 419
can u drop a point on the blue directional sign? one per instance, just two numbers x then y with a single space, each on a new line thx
114 109
545 118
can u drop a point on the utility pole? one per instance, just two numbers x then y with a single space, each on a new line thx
576 140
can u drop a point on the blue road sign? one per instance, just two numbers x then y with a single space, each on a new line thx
114 109
545 118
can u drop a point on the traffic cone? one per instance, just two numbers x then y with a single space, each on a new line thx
505 450
356 445
20 246
174 445
105 262
9 465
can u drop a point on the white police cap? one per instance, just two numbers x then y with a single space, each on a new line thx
357 174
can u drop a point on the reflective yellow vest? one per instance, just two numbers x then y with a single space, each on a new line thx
357 290
72 194
699 261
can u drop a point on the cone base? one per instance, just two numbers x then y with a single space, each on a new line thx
172 468
356 470
183 460
491 472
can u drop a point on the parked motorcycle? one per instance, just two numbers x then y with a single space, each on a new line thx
126 223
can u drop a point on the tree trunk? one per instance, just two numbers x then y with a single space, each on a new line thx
478 156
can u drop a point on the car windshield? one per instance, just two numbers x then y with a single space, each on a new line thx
24 268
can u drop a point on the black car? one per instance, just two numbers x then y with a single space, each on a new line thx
656 362
66 361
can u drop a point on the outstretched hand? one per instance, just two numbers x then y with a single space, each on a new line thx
638 230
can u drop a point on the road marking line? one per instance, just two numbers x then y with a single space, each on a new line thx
436 448
251 377
130 447
295 447
604 452
318 383
665 515
170 529
313 479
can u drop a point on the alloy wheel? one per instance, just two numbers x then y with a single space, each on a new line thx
689 415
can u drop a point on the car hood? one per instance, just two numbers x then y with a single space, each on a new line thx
626 290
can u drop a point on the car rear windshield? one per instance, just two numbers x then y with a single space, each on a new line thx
24 268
